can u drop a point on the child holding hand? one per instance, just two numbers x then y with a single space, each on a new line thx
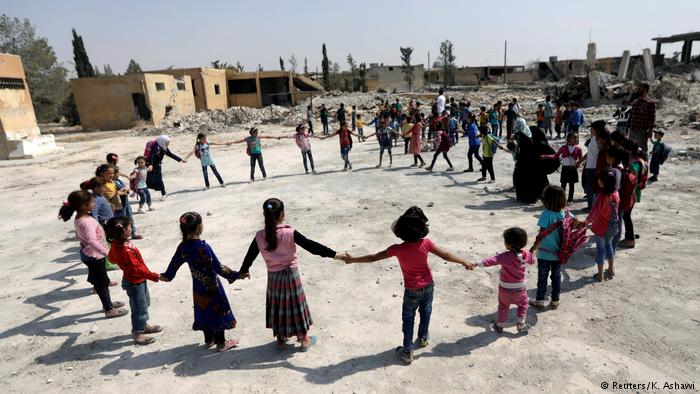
412 228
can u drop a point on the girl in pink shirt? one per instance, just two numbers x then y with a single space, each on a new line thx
287 312
412 227
301 137
511 289
92 248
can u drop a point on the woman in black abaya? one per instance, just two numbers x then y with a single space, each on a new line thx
530 174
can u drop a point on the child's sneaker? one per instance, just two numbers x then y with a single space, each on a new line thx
140 211
497 328
450 169
150 208
523 327
403 355
422 342
538 304
223 185
483 178
554 305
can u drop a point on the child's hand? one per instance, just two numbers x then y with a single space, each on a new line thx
469 266
162 278
184 161
244 275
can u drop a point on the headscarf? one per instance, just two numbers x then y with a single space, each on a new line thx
520 126
162 140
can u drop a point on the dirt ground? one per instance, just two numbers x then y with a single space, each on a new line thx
641 327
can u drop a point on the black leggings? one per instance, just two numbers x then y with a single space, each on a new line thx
474 152
629 226
571 189
215 336
487 165
444 154
97 276
304 155
416 158
405 145
256 157
206 175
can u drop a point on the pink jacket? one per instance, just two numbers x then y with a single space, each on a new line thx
512 267
91 236
285 255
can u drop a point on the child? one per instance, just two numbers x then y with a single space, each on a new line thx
102 210
129 259
111 192
92 249
254 150
569 155
659 154
345 137
510 115
353 117
406 133
511 289
360 123
123 187
310 119
203 152
566 116
605 223
452 125
212 312
548 115
489 146
287 313
548 264
324 115
495 124
396 126
474 142
139 176
444 143
637 165
384 135
576 118
558 120
483 117
412 228
301 137
414 147
540 117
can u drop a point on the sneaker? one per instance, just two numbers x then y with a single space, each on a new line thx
150 208
307 172
497 328
523 327
626 244
652 179
450 169
429 169
205 188
140 211
469 170
422 342
403 355
538 304
483 178
554 305
492 181
413 165
421 165
223 185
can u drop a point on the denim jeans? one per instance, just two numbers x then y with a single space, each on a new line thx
256 157
544 267
603 249
144 197
304 155
421 300
139 301
205 172
345 155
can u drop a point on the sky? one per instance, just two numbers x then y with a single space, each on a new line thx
159 34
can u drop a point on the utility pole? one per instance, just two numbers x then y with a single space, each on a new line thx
428 69
505 63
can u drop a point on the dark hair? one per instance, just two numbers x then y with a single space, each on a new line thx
93 183
75 200
114 229
515 238
112 158
412 226
189 222
618 154
633 148
609 181
618 137
136 160
272 210
200 136
483 129
644 86
554 198
441 91
482 108
601 130
252 130
343 124
571 134
548 97
102 169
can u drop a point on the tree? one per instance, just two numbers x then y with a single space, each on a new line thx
363 77
336 68
306 66
325 67
293 63
281 63
260 67
406 66
133 67
45 76
447 60
239 67
83 67
107 70
353 70
97 71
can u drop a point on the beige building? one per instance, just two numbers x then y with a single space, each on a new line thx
20 137
125 101
208 86
392 77
263 88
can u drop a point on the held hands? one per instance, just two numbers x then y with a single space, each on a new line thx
245 275
162 278
344 257
468 265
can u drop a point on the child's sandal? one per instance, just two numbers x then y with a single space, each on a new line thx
497 328
598 278
152 329
228 345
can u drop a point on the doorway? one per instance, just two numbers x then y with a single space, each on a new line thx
141 111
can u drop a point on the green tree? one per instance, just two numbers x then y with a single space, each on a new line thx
406 66
83 67
45 76
326 68
107 70
306 66
447 62
353 70
281 63
133 67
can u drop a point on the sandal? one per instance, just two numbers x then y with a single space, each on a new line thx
144 341
281 343
523 327
313 340
117 304
117 313
152 329
609 274
598 277
228 345
208 344
497 328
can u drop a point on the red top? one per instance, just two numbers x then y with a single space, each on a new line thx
129 259
445 142
413 259
604 210
344 138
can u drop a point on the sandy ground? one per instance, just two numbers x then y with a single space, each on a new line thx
643 326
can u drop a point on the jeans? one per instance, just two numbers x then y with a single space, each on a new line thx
215 336
256 157
422 300
216 173
144 197
139 301
588 182
548 125
304 155
603 249
474 152
629 226
444 154
345 155
544 267
487 165
325 127
360 132
616 238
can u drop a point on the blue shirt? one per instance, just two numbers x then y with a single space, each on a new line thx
550 245
576 118
102 211
453 124
473 135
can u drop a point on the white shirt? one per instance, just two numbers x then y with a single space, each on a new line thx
516 108
568 161
592 155
441 101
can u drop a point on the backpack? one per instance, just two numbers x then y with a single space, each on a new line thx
134 183
571 238
665 153
644 176
627 197
196 151
149 147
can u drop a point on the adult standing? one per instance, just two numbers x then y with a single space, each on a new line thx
642 117
441 101
548 115
156 150
340 115
530 174
516 107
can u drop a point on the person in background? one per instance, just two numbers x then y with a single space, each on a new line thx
441 101
353 117
622 115
558 120
548 116
576 117
540 118
324 115
310 119
659 154
642 117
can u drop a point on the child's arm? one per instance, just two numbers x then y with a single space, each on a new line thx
174 265
221 269
370 258
250 256
452 258
192 152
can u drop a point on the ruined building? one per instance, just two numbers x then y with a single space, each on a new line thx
20 137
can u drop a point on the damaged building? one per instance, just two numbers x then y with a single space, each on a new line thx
208 86
389 78
263 88
126 101
20 137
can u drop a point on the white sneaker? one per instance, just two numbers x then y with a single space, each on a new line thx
140 211
150 208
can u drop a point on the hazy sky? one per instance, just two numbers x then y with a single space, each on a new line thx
158 34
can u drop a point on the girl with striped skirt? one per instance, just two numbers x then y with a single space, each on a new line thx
287 312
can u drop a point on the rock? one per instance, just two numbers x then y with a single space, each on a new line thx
94 329
49 381
430 204
209 213
494 213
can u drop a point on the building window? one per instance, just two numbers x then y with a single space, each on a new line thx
391 68
180 86
11 83
160 86
217 89
242 86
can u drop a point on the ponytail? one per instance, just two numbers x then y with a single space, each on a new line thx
189 223
75 201
272 210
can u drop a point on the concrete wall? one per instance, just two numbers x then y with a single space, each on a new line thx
17 119
204 81
392 77
181 102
